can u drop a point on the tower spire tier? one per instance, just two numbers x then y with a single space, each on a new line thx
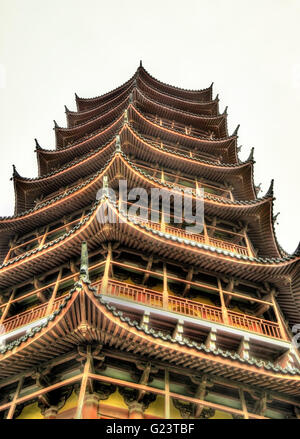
140 262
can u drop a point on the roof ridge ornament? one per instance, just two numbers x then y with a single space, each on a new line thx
66 109
141 64
239 148
236 130
251 155
297 251
37 145
55 124
270 192
125 117
105 191
275 217
226 108
84 262
118 143
258 188
15 173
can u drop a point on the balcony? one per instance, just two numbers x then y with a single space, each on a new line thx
31 315
192 308
201 155
187 183
41 239
188 130
148 297
201 238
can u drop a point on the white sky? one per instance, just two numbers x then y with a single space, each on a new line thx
250 49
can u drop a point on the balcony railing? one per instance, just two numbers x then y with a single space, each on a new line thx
155 299
192 308
179 127
41 239
209 189
29 316
203 239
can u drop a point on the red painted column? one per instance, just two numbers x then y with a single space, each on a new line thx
135 410
50 413
90 406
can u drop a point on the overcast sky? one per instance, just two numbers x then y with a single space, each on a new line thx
250 49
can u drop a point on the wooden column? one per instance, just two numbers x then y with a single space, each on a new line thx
51 301
84 382
105 278
42 241
6 309
162 223
91 406
135 410
165 287
248 243
243 402
223 306
167 394
12 408
283 332
206 237
50 413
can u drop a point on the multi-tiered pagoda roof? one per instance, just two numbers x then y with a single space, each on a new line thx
154 136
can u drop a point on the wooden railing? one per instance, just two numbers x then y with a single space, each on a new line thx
155 299
203 239
192 154
209 189
191 308
178 126
254 324
43 238
29 316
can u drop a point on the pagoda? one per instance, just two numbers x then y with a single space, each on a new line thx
145 319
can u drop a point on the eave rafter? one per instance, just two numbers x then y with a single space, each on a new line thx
213 123
85 104
224 208
75 118
226 147
190 96
239 175
51 160
47 159
200 119
193 95
66 136
211 127
196 107
260 210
